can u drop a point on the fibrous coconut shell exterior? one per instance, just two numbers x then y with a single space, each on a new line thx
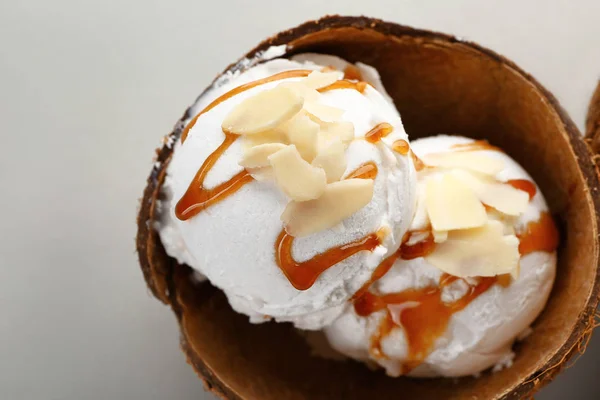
592 123
440 85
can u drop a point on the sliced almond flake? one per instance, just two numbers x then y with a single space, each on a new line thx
271 136
501 196
452 205
303 132
333 131
263 111
318 79
477 162
302 90
323 112
262 173
333 160
295 177
339 201
258 156
483 251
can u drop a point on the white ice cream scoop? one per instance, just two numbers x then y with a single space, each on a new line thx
233 241
451 329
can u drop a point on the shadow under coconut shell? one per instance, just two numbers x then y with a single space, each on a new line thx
439 85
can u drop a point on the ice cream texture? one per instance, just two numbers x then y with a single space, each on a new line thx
239 242
294 189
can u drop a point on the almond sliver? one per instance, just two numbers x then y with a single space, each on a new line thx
271 136
333 160
323 112
483 251
263 111
262 173
339 201
318 79
295 177
452 205
302 90
258 156
302 132
501 196
477 162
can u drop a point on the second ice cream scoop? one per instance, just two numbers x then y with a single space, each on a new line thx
417 319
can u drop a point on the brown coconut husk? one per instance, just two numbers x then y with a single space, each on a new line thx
592 124
440 85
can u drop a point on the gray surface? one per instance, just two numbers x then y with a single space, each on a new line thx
87 88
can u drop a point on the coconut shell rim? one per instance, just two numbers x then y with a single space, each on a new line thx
161 282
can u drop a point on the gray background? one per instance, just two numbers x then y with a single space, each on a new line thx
87 88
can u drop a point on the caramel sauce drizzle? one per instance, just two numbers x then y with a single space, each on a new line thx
426 316
367 170
476 146
197 198
344 84
418 163
424 320
302 275
297 73
352 73
540 235
524 185
401 147
363 297
421 248
378 132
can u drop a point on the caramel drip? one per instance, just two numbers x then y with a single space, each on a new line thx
379 272
424 319
524 185
504 280
422 248
365 171
540 235
419 164
426 316
427 321
352 73
363 299
378 132
477 145
401 147
344 84
302 275
298 73
197 198
386 326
